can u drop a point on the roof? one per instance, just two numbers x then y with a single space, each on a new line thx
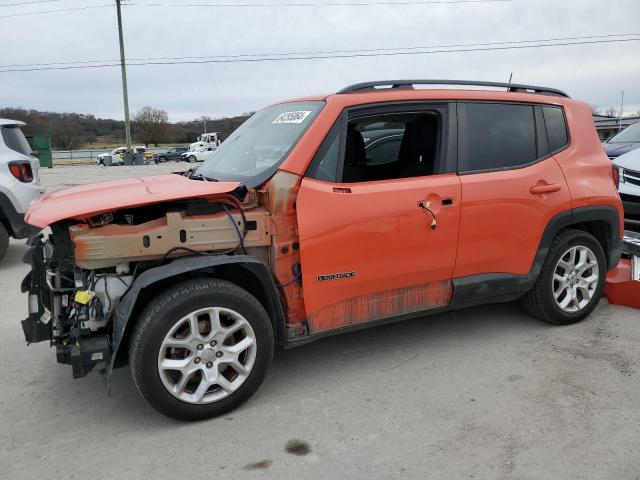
5 122
410 84
442 94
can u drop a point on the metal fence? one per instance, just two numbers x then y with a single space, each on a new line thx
83 156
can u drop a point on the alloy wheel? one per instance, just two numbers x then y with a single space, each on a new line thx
575 278
207 355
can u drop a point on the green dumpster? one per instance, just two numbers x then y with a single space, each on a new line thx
42 145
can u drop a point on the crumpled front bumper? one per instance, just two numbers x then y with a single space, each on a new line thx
83 353
37 326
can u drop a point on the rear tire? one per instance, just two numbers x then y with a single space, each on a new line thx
571 281
192 159
200 349
4 241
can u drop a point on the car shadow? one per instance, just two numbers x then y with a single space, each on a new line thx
384 347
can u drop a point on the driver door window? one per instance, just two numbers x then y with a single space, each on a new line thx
382 147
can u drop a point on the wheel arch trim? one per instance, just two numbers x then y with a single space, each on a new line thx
497 286
203 264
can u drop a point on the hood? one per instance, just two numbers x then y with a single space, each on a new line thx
629 160
615 149
93 199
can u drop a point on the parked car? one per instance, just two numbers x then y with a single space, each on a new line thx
197 155
19 182
292 231
173 153
117 155
628 176
625 141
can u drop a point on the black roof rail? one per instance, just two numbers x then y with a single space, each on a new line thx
408 84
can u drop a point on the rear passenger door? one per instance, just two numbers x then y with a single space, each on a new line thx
511 187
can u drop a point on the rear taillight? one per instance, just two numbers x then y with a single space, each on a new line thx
615 173
22 171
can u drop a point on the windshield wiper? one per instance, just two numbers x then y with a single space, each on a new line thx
199 176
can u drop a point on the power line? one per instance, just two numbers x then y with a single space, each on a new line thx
327 52
318 4
257 5
28 3
320 57
62 10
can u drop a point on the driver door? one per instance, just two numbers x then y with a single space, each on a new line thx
379 240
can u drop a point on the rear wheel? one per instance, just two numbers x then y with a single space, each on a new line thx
4 241
201 349
571 280
192 159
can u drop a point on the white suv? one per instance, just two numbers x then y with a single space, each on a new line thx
628 167
117 155
19 182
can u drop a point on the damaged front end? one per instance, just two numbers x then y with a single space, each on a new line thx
82 270
69 306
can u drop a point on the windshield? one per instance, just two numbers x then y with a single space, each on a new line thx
253 152
14 139
631 134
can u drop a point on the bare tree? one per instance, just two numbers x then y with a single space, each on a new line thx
611 112
65 134
151 125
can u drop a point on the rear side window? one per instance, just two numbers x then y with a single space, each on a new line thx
496 136
556 128
14 139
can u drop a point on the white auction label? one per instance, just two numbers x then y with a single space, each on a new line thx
292 117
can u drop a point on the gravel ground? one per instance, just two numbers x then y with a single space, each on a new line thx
485 393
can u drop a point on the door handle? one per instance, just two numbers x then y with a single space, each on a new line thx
544 188
425 205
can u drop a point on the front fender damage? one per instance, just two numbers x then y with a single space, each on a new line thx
122 323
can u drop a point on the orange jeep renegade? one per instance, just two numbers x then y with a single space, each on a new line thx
320 215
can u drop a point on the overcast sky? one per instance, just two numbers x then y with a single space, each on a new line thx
595 73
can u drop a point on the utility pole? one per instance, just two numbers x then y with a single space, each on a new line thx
621 107
123 68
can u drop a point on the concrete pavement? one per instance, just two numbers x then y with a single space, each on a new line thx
485 393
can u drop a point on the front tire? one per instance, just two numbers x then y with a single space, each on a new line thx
571 281
4 241
192 159
200 349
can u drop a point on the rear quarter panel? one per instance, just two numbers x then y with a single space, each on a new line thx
586 167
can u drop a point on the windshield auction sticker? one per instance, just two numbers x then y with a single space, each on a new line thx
292 117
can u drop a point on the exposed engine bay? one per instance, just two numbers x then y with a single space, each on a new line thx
81 270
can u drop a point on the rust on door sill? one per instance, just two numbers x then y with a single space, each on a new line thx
379 305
